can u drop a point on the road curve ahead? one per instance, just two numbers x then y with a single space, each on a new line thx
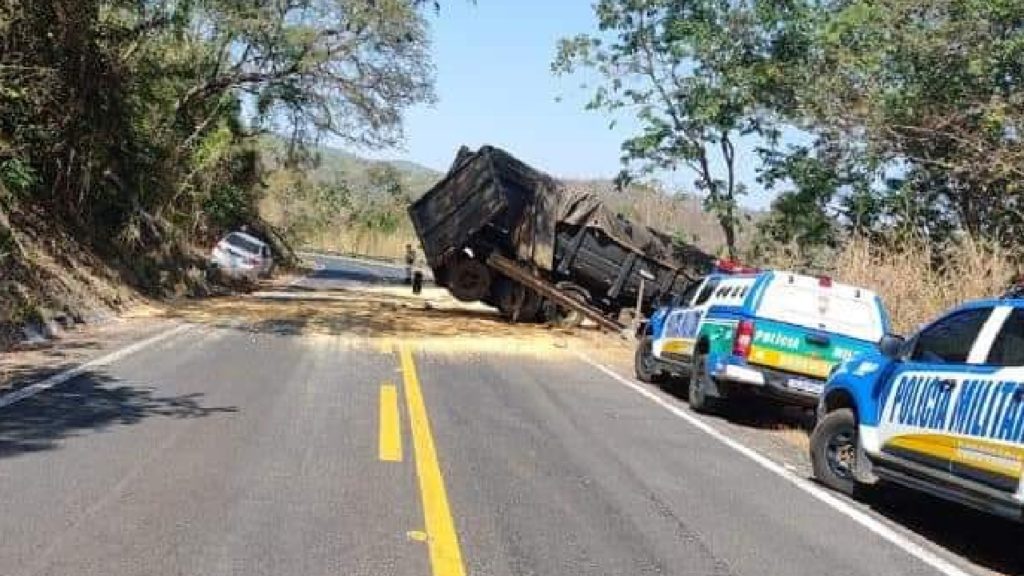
255 450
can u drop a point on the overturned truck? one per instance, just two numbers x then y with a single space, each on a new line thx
498 231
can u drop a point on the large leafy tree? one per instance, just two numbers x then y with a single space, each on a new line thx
140 114
700 75
932 91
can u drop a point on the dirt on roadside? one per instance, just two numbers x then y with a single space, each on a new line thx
79 344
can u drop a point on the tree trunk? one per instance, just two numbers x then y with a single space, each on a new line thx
728 225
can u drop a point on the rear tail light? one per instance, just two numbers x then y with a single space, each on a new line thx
744 338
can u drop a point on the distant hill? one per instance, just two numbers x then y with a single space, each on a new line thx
332 164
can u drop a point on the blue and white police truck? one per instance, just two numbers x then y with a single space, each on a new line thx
941 412
773 333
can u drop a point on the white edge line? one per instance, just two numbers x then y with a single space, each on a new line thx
858 516
58 379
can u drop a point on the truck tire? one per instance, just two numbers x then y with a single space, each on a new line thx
644 363
469 280
834 451
441 276
699 384
518 303
531 308
566 317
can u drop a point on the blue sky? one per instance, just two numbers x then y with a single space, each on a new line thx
495 86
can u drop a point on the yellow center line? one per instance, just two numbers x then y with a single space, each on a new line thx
390 431
442 541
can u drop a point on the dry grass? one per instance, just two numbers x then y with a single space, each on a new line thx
390 245
915 280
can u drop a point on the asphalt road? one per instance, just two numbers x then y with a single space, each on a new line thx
341 271
233 451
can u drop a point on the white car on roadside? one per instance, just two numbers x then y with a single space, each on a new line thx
240 254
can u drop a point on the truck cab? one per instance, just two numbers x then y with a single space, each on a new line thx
942 412
773 333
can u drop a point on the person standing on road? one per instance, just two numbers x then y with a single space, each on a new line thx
410 262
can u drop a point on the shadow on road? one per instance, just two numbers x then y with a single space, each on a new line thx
28 366
752 411
985 540
90 403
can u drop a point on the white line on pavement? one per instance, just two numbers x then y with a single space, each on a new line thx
58 379
858 516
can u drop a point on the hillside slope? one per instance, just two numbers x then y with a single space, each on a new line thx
327 165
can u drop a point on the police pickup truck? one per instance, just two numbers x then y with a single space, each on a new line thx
942 412
773 333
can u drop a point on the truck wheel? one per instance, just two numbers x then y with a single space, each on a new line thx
520 304
563 317
834 451
644 363
516 302
566 317
469 280
699 384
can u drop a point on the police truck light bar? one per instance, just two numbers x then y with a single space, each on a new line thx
733 267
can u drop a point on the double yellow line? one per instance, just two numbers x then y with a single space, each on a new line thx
442 540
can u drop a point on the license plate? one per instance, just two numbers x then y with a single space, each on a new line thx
809 386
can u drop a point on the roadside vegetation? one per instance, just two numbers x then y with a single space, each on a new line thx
344 203
129 131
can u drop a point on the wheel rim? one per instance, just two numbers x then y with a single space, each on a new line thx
841 453
573 318
567 316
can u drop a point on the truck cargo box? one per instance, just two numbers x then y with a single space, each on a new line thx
564 239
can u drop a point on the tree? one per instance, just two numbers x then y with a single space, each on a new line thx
385 179
700 75
139 115
801 214
931 92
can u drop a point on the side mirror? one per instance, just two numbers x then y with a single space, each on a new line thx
892 346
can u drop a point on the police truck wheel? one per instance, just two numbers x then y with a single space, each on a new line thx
834 451
644 363
699 384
